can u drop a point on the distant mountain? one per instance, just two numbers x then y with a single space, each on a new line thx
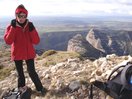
118 43
57 40
104 41
79 44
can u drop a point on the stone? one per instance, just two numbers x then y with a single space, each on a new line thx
74 85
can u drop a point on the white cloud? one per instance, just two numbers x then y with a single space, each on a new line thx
65 7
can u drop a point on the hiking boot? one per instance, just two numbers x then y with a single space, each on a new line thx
43 91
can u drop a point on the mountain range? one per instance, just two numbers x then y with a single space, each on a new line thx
101 41
117 42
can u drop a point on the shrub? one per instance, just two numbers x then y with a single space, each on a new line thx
48 53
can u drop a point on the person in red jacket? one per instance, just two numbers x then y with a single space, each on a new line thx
22 35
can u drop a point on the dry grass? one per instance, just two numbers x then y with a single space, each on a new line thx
5 69
57 56
5 72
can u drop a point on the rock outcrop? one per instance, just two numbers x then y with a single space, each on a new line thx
79 44
110 43
99 42
94 40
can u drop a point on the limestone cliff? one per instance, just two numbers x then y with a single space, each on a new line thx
79 44
118 43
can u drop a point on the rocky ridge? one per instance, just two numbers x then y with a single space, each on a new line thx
70 79
102 42
80 45
109 43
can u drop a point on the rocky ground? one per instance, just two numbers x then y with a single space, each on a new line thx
69 79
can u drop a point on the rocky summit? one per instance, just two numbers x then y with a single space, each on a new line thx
69 79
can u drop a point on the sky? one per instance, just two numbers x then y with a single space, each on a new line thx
68 7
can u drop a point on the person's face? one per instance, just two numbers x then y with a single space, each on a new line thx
21 18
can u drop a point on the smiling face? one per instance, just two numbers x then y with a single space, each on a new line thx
21 18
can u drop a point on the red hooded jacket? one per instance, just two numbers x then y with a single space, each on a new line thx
21 41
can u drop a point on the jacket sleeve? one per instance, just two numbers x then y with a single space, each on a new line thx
34 37
9 35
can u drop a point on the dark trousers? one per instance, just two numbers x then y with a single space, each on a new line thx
31 71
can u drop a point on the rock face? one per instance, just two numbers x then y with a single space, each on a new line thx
95 40
79 44
70 79
101 42
110 43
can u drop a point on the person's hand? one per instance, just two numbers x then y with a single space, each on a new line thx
31 26
13 23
